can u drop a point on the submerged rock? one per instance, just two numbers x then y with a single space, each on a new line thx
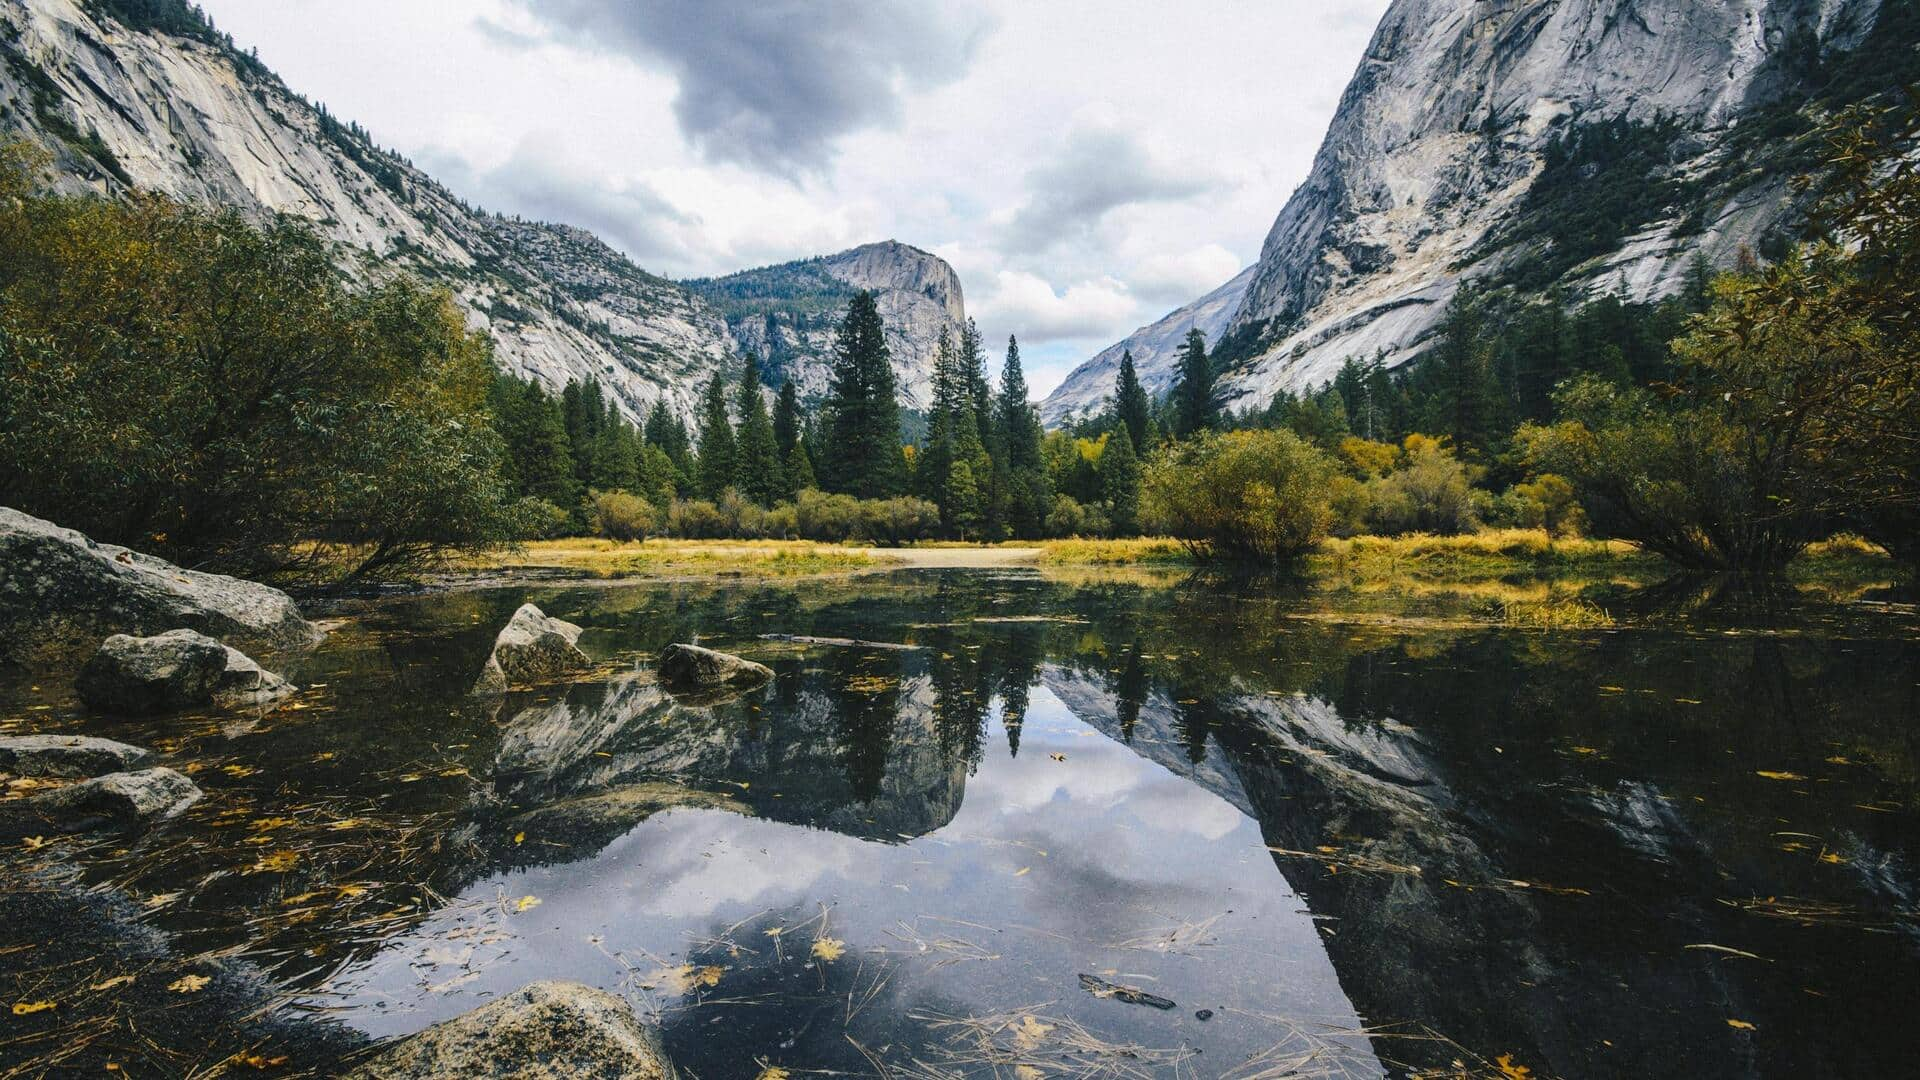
140 675
690 667
543 1031
68 755
532 647
117 800
61 594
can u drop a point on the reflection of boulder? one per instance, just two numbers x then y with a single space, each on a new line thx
581 825
544 1029
692 669
882 777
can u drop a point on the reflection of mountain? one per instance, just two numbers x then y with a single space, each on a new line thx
1600 983
860 756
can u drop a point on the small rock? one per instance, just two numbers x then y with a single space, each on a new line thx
122 799
68 755
533 647
543 1031
690 667
245 682
1203 1015
136 675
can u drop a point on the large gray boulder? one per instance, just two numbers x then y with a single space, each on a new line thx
533 647
68 755
141 675
117 800
543 1031
61 594
175 670
692 668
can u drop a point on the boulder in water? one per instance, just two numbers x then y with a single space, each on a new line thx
141 675
61 594
543 1031
122 800
533 647
690 667
68 755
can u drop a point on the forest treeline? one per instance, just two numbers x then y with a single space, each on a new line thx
188 381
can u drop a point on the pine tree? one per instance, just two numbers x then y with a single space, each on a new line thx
799 468
716 465
1193 391
757 468
1120 481
973 365
786 419
1028 494
863 451
539 456
1130 402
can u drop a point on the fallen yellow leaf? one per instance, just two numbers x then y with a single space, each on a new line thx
826 948
772 1072
1740 1024
275 862
26 1008
519 838
33 842
188 984
1771 775
1029 1032
117 980
526 903
1511 1069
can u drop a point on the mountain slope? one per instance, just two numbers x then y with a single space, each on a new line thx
184 114
788 314
1156 354
1590 146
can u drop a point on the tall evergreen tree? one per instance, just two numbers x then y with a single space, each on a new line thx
1130 402
1193 409
973 364
716 468
539 456
786 419
954 463
799 468
1028 495
863 450
757 467
1120 481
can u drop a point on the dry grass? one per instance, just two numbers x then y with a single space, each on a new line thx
1076 552
680 558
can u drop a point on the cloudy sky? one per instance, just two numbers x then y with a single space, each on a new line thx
1086 165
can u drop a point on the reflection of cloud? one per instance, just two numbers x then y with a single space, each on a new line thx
772 84
699 861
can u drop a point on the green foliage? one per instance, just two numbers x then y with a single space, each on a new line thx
620 516
1430 492
758 471
1023 492
718 461
1120 482
538 461
184 381
1193 408
953 468
863 448
1131 405
1600 183
1249 495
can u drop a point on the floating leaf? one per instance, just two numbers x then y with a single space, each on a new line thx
826 948
1023 871
1771 775
275 862
188 984
1058 757
772 1072
1030 1032
1740 1025
238 771
526 903
27 1008
519 838
33 842
117 980
1511 1069
261 1061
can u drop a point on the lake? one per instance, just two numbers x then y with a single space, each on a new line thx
1018 824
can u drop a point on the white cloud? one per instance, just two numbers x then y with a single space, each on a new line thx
1020 299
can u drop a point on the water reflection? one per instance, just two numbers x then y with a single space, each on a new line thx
1677 851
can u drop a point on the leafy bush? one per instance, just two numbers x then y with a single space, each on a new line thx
893 522
1546 502
1264 495
184 381
696 519
618 515
1431 492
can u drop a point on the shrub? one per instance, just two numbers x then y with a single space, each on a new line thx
696 519
1431 492
1546 502
893 522
830 518
618 515
1263 495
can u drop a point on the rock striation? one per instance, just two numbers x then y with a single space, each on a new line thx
61 594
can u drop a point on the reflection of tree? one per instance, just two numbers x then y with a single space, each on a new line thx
1195 717
1130 685
865 689
961 688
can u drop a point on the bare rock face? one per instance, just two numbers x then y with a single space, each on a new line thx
533 647
61 594
1422 182
117 800
692 668
776 313
68 755
543 1031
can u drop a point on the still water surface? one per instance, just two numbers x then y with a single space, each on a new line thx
1338 846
